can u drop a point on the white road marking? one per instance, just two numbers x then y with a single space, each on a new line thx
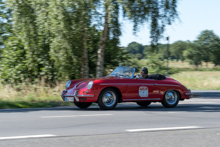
164 129
75 115
30 136
207 103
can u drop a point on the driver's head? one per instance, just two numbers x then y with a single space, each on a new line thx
144 72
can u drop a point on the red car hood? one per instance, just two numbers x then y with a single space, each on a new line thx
86 80
92 79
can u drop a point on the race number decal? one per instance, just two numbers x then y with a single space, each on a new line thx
143 91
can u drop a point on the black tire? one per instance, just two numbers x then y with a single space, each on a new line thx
170 99
83 105
108 99
144 104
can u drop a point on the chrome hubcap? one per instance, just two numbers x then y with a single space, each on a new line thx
171 97
109 98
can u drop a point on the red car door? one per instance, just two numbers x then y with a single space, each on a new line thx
142 89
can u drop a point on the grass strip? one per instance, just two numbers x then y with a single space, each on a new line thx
199 80
25 104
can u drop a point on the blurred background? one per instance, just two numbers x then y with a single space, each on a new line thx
45 43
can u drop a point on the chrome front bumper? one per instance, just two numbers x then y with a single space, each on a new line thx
76 95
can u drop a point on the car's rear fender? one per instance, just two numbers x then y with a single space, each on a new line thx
180 93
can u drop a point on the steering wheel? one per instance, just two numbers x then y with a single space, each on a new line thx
127 76
124 76
137 76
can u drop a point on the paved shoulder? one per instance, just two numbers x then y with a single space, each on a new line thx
207 94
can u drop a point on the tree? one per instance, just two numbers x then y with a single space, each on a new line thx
158 67
135 48
55 37
85 17
5 24
215 54
158 13
193 54
110 30
177 49
208 44
13 67
30 25
59 39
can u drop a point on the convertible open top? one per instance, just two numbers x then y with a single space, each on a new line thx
157 77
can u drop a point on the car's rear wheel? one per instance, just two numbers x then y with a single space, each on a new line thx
144 104
83 105
170 99
108 99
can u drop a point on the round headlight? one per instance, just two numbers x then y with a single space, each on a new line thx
68 84
90 84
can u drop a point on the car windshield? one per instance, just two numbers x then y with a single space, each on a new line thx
123 71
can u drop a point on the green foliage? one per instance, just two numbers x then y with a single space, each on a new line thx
48 37
193 54
135 49
13 64
215 54
133 62
114 55
208 43
49 40
206 48
5 24
157 13
155 66
177 49
32 31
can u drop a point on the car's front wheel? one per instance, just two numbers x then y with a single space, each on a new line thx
83 105
170 99
144 104
108 99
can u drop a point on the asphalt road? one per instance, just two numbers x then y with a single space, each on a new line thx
194 122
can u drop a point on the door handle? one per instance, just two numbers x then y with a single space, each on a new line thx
156 84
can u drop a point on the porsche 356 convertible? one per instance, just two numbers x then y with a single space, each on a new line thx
122 85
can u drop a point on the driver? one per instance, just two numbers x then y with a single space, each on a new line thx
144 73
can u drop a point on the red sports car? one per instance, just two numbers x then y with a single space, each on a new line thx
122 85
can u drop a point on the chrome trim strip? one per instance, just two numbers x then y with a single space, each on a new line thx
75 95
155 84
80 95
188 93
141 99
68 95
168 85
84 95
124 84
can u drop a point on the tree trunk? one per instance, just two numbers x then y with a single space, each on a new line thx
101 50
84 63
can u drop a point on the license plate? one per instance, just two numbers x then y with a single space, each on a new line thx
69 99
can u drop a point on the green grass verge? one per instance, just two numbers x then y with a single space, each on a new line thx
199 80
26 104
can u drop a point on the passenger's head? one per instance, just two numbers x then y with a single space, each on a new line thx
144 72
